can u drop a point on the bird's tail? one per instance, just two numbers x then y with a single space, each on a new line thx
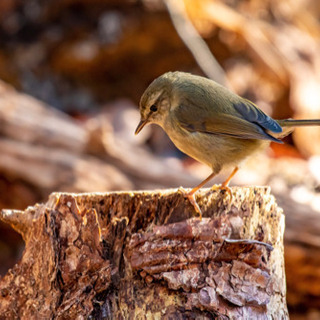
289 124
298 123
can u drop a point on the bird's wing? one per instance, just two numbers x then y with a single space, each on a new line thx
246 122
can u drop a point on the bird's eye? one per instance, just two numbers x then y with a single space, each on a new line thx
153 108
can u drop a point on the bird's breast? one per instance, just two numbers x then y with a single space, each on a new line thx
200 146
214 150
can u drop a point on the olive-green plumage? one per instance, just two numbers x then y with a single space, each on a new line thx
208 122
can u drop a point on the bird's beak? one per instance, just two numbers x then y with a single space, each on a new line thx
140 126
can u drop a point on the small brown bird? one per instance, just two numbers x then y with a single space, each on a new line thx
210 123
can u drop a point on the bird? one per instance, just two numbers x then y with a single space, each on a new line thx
210 123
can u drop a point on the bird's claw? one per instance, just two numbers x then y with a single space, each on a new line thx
223 188
191 197
194 203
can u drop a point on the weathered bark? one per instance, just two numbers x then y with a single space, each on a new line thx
137 255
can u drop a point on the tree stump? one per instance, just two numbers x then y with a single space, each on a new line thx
146 255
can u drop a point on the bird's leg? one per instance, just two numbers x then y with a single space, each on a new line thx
191 197
225 184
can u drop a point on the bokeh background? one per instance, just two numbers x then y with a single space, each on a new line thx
72 73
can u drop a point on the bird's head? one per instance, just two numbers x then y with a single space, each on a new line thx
156 101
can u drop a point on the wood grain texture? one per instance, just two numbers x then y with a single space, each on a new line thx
139 255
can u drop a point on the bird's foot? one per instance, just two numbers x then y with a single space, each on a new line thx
225 185
191 197
224 188
192 200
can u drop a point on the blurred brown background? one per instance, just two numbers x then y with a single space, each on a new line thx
72 74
